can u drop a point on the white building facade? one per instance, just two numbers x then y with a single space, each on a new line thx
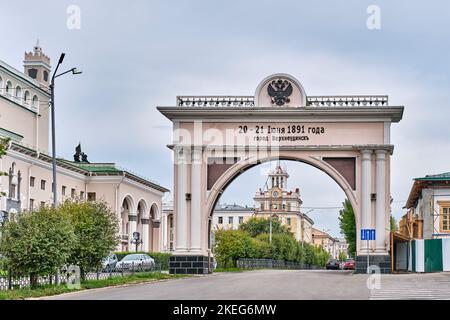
24 119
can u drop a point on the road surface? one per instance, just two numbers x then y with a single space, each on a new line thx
279 284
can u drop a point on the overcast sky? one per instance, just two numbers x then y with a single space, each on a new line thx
137 55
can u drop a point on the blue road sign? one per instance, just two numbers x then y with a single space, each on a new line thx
367 234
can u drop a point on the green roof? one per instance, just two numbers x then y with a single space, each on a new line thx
435 177
96 168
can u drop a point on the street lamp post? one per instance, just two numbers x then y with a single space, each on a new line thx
136 239
52 106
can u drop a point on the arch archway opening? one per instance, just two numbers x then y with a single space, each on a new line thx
307 201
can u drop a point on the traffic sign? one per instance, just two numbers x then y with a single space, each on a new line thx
367 234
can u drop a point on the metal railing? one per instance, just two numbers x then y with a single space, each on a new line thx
317 101
273 264
11 282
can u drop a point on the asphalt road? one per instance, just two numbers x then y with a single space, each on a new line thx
279 284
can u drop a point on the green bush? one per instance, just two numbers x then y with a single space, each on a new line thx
232 245
161 258
95 227
38 243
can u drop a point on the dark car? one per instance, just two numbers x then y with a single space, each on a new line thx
332 264
349 264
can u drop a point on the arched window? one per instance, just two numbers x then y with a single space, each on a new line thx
34 103
26 98
8 88
18 94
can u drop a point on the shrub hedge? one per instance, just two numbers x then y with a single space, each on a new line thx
231 245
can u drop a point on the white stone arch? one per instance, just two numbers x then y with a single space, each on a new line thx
155 227
129 199
142 223
237 169
157 213
141 202
127 207
1 85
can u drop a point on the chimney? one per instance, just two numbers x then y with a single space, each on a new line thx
37 65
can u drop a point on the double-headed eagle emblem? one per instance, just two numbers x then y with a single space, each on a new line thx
280 91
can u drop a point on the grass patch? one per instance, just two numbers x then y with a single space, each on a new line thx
49 290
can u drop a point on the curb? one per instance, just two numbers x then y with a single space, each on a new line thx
110 287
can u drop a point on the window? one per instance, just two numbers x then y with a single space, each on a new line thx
241 220
220 220
288 221
1 85
34 103
91 196
31 205
230 220
72 193
63 190
32 181
8 88
262 206
32 73
45 75
42 203
42 184
284 206
81 194
444 213
18 94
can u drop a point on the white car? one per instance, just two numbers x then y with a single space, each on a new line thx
136 261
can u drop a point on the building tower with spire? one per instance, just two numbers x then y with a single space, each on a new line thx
37 65
280 203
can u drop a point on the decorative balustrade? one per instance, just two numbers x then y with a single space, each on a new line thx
249 101
215 101
348 101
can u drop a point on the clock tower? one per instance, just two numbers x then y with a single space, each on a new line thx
280 203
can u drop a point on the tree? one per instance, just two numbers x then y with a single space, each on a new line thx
348 226
256 226
37 243
230 245
95 227
393 224
342 256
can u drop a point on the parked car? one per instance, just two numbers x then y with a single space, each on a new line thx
138 261
332 264
110 262
349 264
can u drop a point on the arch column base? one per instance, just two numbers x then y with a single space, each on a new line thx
190 264
382 261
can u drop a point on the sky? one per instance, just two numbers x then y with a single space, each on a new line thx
137 55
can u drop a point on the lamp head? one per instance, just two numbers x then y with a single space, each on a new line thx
76 71
61 58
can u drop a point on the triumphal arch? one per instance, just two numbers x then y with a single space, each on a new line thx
216 138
